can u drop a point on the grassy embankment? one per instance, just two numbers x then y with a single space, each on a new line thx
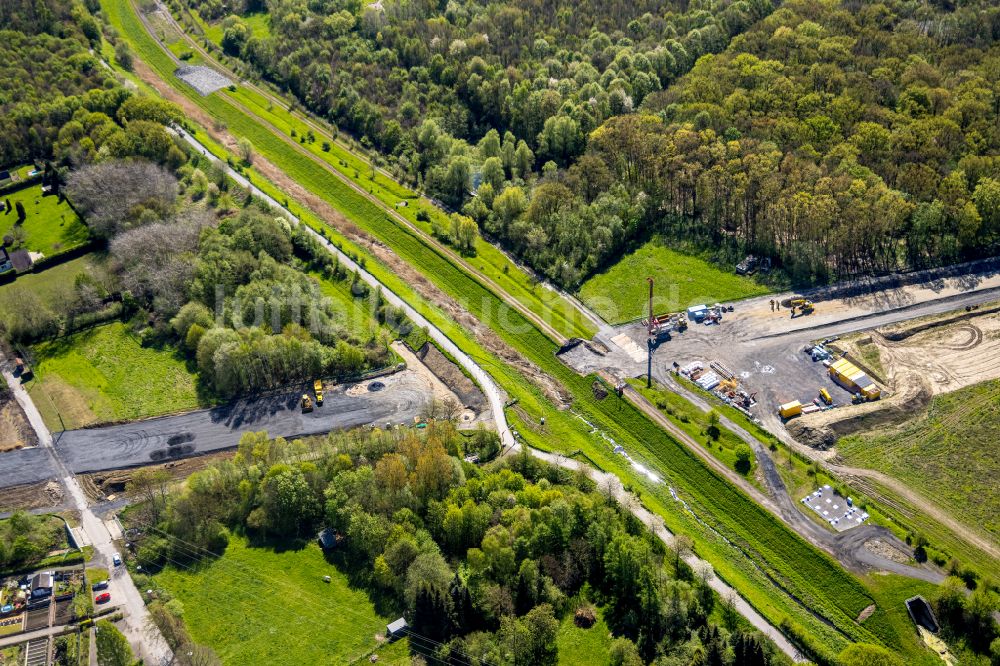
695 423
50 226
947 453
259 606
620 293
820 583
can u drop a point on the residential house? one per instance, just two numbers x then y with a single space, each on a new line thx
41 584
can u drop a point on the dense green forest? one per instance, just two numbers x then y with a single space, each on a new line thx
836 137
46 73
482 561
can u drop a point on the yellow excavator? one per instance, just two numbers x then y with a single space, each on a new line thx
803 305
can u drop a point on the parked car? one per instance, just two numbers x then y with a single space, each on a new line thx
103 585
117 559
103 598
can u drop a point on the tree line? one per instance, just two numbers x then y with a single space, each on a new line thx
838 139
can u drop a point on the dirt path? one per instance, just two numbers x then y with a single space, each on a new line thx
961 530
426 238
438 388
390 211
612 485
846 547
334 218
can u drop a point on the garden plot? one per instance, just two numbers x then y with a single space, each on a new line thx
839 512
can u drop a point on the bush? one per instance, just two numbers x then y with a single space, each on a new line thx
862 654
584 617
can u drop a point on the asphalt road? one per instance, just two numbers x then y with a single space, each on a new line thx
766 348
402 399
25 466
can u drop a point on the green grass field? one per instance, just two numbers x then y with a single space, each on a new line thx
51 285
621 293
103 374
259 24
948 453
583 646
354 314
891 619
261 606
50 226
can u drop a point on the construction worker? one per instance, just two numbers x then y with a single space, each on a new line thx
772 305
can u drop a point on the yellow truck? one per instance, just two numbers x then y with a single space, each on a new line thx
318 388
790 409
825 396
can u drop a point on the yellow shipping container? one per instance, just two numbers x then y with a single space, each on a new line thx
854 379
790 409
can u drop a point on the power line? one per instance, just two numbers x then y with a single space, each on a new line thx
198 552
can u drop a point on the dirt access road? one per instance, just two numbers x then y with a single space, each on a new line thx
848 547
325 133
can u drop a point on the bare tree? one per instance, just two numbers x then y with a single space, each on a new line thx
117 195
157 260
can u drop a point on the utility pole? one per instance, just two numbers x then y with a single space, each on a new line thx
649 322
649 338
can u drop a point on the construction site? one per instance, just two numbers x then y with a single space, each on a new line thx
814 368
819 365
914 361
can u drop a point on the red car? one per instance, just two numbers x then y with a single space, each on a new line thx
103 598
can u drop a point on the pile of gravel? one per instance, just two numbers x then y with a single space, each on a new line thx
203 79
